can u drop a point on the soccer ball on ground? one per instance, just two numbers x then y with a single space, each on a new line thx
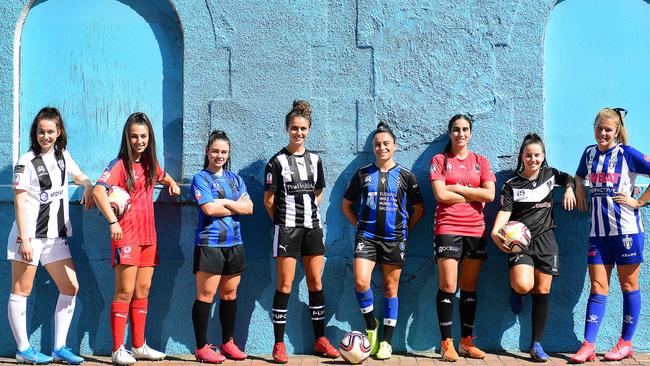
354 347
517 236
120 200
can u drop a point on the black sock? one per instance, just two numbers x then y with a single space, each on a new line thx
371 322
280 304
445 308
317 312
467 312
200 316
539 315
227 315
388 333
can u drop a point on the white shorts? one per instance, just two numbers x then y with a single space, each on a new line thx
44 250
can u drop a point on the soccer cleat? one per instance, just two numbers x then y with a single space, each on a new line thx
537 353
65 355
122 357
585 353
230 350
30 355
466 348
447 350
208 354
516 302
147 353
622 349
324 348
373 338
385 351
280 353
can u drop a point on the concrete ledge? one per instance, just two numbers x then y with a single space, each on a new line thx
160 194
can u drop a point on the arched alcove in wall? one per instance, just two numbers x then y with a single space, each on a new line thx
98 61
596 54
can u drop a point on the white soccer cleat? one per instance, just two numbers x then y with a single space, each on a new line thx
147 353
122 357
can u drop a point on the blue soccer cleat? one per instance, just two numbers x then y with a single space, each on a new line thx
31 356
516 302
537 353
65 355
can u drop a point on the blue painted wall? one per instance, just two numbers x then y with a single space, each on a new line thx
412 63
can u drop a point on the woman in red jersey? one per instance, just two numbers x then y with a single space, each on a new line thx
462 182
134 242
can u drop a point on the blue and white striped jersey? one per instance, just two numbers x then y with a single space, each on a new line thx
609 172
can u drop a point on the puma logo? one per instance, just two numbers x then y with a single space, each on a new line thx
284 247
121 315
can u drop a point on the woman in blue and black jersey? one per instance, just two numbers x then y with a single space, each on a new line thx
219 251
385 189
293 191
616 235
527 197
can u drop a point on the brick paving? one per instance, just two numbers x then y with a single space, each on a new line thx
419 359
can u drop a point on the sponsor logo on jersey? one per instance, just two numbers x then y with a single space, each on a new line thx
44 196
19 169
368 179
269 178
543 205
628 255
627 242
600 178
520 193
448 249
371 201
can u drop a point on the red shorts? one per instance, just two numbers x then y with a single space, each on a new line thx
135 255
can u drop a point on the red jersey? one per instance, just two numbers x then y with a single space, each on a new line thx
138 227
465 218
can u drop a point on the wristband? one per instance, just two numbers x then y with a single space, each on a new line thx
111 223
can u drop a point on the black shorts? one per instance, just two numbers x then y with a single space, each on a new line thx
219 260
296 241
380 251
460 246
542 254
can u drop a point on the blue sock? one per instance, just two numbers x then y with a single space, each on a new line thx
595 311
366 301
631 311
391 307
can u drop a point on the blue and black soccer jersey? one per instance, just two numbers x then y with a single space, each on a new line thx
383 214
217 231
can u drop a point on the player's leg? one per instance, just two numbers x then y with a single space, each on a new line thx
125 275
22 280
138 311
390 282
362 268
540 294
228 314
470 270
628 275
448 250
206 288
313 265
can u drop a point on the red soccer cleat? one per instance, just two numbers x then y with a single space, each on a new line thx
208 354
230 350
622 349
585 353
280 353
324 348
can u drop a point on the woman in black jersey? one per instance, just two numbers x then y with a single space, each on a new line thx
527 197
385 188
294 185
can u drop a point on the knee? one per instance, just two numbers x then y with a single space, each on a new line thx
229 295
390 290
601 288
521 287
123 296
361 284
284 287
627 286
448 286
71 289
18 289
314 284
205 296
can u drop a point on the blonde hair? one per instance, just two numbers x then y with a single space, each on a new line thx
611 114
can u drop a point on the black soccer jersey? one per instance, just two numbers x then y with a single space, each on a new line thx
383 214
294 179
531 201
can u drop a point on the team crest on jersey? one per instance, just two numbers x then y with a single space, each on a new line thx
197 195
433 168
61 164
477 168
105 175
402 246
16 180
359 247
612 163
549 185
646 158
627 242
269 178
286 172
126 252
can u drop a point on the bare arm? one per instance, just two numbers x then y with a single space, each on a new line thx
242 206
502 218
418 213
443 195
348 212
87 199
174 189
269 203
478 194
581 193
101 199
319 196
25 248
623 199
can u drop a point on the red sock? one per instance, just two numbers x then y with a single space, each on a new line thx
119 315
138 312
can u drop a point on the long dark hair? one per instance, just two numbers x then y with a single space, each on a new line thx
382 127
531 138
52 114
301 108
217 135
148 159
450 126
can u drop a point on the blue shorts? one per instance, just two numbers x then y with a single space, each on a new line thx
619 249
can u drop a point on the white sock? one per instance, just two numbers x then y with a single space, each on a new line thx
62 319
17 313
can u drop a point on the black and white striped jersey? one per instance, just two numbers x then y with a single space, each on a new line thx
531 201
294 179
45 179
